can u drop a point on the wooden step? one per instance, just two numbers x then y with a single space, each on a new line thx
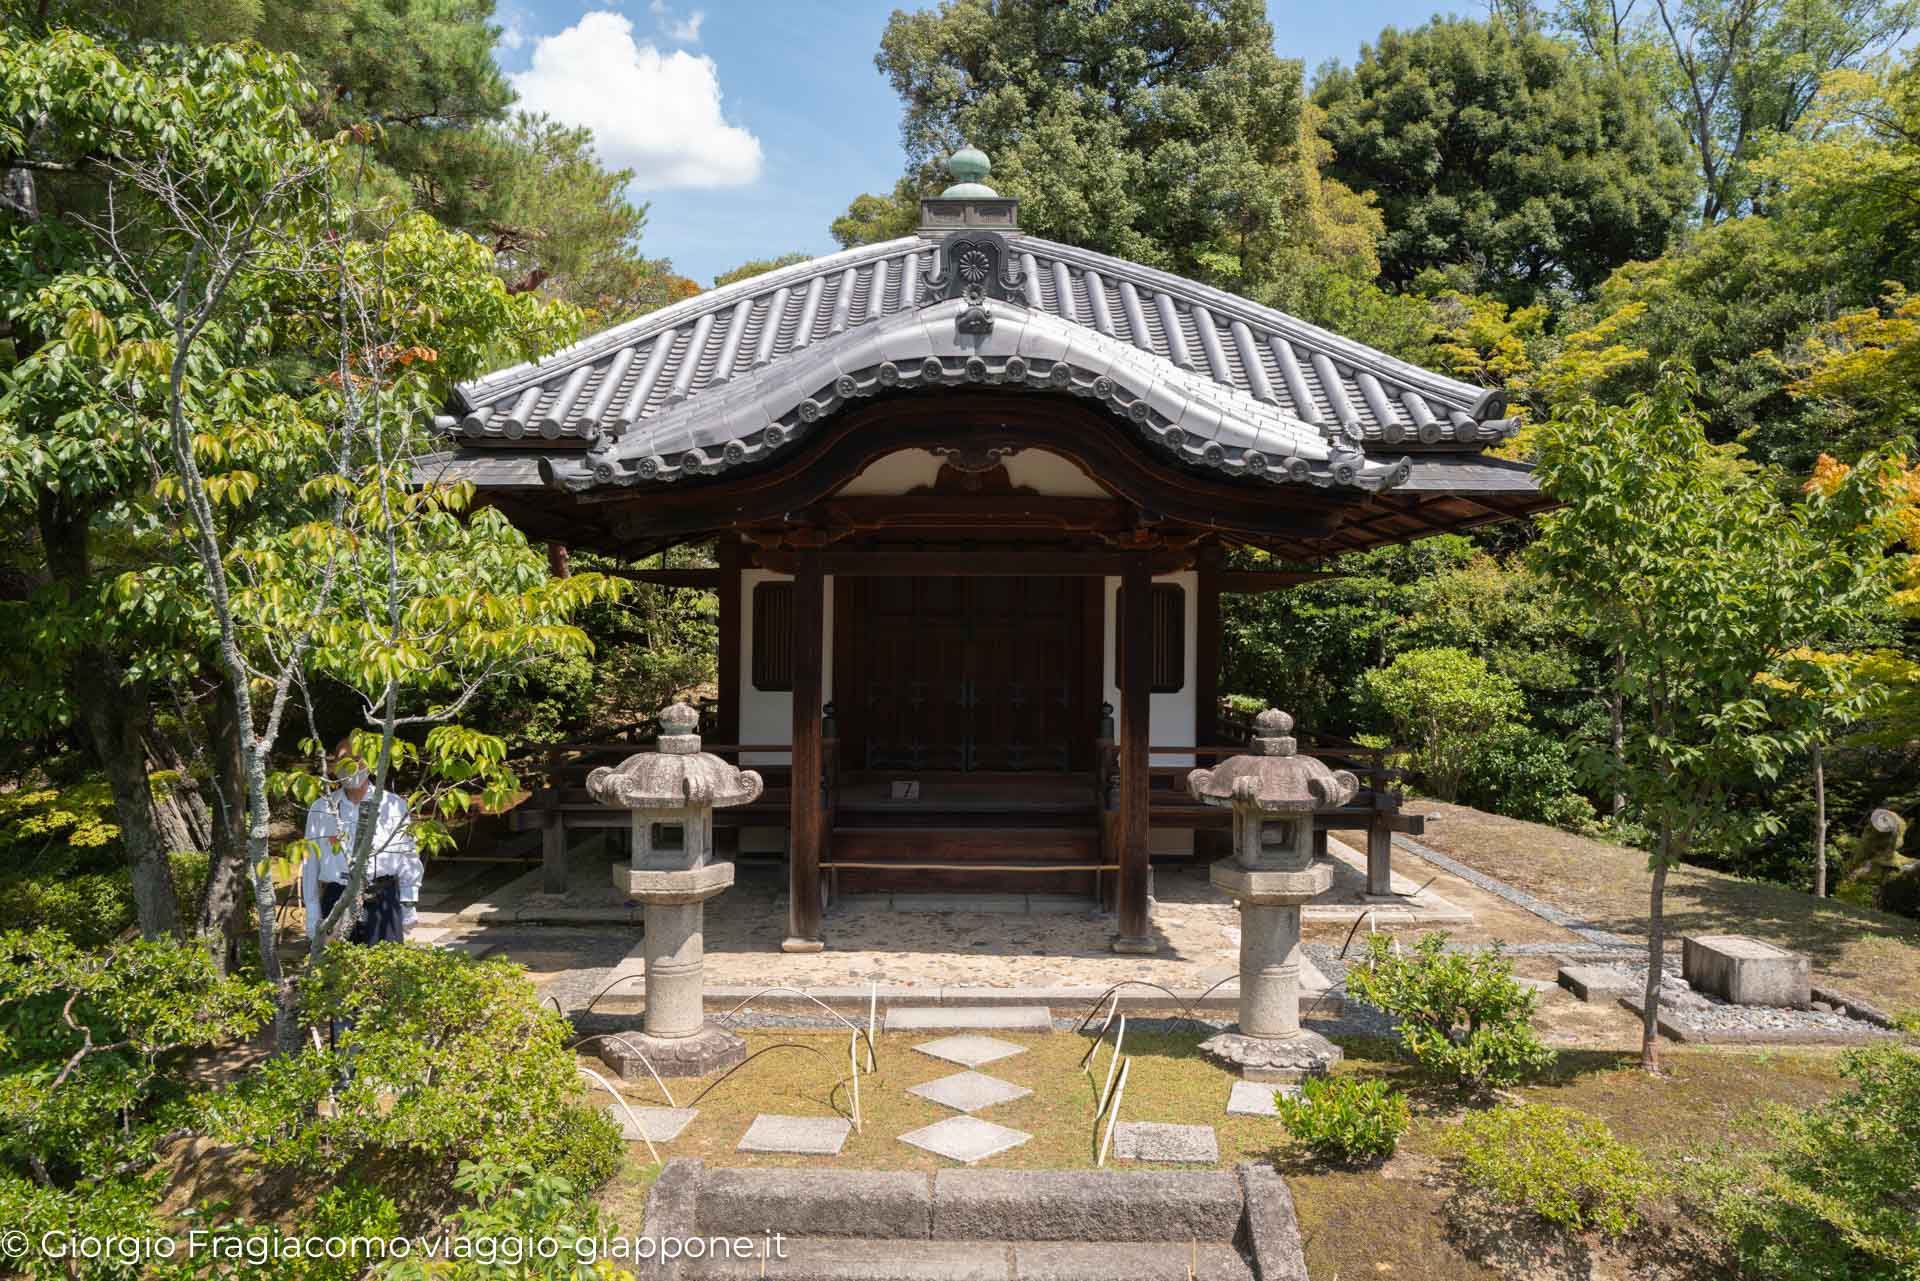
984 860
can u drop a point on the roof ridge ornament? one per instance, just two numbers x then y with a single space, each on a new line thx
973 266
968 201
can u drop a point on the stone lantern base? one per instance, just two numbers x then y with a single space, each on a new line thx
709 1050
1273 1059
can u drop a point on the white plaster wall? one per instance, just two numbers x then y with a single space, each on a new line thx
1035 469
766 716
1172 719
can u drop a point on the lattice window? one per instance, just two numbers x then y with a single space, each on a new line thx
773 636
1169 632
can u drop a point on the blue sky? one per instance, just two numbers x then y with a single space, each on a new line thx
751 125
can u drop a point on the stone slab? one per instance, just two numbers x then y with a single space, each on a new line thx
670 1211
847 1260
1746 971
1002 1018
816 1203
1133 1260
971 1051
966 1139
970 1091
1602 984
1273 1228
1082 1205
658 1125
804 1135
1255 1098
1158 1141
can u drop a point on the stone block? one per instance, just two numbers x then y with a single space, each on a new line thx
658 1125
683 885
1256 1098
1747 971
816 1203
1273 1228
1136 1261
1158 1141
670 1213
1264 888
970 1091
803 1135
966 1139
1082 1205
970 1051
1273 1059
712 1050
1601 984
1005 1018
839 1259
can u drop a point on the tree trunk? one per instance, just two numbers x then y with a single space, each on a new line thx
112 714
1819 822
1617 733
225 902
1656 957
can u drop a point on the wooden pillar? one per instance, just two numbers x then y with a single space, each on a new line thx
803 841
726 721
1210 843
1136 687
1380 857
553 833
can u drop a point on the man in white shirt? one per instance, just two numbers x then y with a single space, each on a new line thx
394 870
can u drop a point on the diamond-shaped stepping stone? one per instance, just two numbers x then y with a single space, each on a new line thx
805 1135
966 1139
658 1125
970 1091
971 1051
1155 1141
1255 1098
954 1018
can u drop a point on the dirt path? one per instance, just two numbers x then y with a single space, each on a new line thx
1872 954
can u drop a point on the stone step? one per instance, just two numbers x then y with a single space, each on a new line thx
856 1259
949 1018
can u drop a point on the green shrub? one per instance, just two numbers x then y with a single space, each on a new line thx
509 1204
1461 1016
1444 706
1345 1118
448 1059
1838 1197
1524 774
1562 1165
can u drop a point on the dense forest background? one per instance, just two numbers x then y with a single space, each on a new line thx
1567 202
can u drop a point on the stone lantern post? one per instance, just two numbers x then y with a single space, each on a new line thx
1274 793
672 792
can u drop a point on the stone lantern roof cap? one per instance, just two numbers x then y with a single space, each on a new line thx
1273 777
676 775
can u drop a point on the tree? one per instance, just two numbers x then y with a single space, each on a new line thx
1157 130
757 267
1504 155
1743 72
1703 585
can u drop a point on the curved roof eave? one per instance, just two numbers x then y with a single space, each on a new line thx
1188 415
637 374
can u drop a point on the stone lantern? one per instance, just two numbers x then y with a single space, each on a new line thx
672 792
1274 792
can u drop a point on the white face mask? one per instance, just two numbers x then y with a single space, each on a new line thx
355 778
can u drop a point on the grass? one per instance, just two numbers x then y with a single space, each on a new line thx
1870 954
1387 1220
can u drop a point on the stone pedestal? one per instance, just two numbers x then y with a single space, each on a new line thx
1277 866
672 792
1747 971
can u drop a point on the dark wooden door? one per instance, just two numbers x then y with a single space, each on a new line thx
963 673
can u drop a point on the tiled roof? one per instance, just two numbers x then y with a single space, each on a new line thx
726 376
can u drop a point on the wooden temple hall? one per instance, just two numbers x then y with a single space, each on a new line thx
971 495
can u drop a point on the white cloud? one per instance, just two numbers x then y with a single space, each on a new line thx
679 30
657 113
511 37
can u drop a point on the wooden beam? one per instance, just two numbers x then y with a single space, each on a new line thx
995 562
1136 684
1206 660
803 833
708 579
963 511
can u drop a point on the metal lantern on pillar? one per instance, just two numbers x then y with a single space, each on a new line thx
1274 792
672 792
